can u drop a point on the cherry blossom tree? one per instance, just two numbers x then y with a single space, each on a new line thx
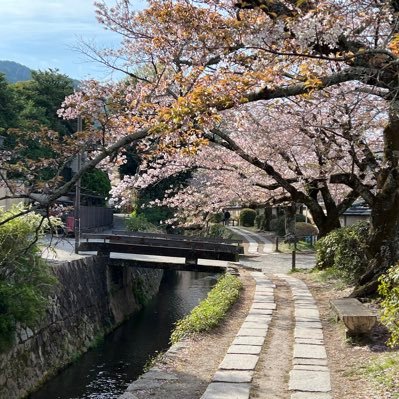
189 63
257 162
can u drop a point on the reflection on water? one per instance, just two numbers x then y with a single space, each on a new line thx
105 371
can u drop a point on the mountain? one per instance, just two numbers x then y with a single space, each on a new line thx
15 72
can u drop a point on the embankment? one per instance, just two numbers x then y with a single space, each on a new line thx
90 299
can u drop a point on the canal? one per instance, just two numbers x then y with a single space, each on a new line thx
106 370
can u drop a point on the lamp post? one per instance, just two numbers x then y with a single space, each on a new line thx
77 195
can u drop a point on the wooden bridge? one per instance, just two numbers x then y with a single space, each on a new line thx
137 243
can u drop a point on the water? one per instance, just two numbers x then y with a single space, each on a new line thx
105 371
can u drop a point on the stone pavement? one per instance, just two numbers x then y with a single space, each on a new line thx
234 377
309 377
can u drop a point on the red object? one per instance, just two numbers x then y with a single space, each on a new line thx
70 224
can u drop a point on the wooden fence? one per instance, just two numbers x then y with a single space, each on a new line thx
92 218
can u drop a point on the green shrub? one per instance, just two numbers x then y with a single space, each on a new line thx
218 231
155 214
278 225
216 217
389 290
259 221
303 229
26 279
344 249
247 217
211 310
97 182
139 223
300 218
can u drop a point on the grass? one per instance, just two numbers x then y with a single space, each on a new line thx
330 276
209 313
300 246
384 372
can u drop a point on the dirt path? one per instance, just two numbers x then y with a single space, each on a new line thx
271 377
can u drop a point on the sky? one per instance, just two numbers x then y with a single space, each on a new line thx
42 34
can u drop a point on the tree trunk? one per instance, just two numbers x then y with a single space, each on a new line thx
268 218
290 212
382 244
383 241
327 225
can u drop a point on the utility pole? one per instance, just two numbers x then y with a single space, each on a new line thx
77 194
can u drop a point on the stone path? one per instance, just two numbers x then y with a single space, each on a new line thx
232 380
309 377
251 241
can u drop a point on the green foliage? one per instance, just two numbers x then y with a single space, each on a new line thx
344 249
25 278
8 107
211 310
300 218
218 231
383 370
278 225
97 182
303 229
247 217
389 290
216 217
259 221
155 214
139 223
41 97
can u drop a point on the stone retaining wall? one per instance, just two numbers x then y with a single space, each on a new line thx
90 300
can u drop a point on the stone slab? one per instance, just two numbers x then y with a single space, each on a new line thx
245 349
159 375
142 383
249 341
310 351
309 381
307 312
305 305
234 376
258 318
260 312
264 292
258 274
128 395
225 390
308 324
312 367
239 362
307 361
252 324
252 332
263 305
309 341
263 298
310 333
311 395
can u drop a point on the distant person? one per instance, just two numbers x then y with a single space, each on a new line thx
226 218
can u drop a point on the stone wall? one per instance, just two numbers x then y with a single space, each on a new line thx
90 300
